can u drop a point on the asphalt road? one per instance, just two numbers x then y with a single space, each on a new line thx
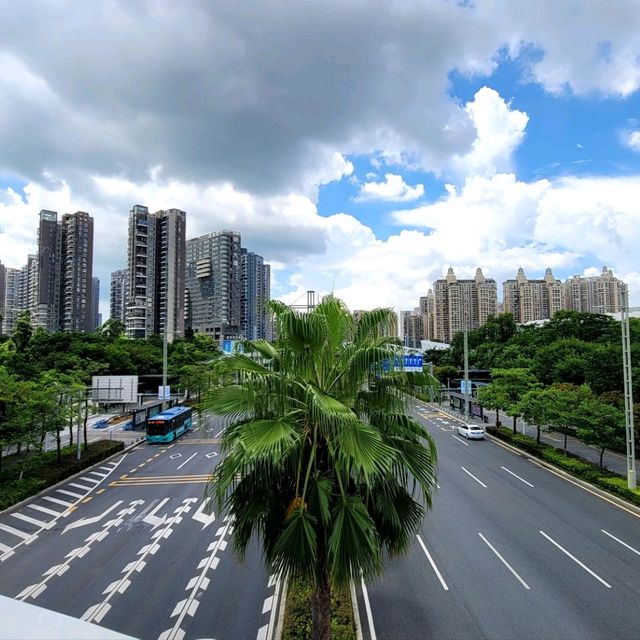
130 546
509 551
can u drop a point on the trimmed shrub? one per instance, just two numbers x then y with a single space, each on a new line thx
297 619
36 472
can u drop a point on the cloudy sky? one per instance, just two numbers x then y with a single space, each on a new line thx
361 146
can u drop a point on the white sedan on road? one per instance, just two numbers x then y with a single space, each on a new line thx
471 431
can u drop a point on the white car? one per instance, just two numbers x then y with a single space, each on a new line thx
471 431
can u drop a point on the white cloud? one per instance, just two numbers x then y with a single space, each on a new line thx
631 139
500 130
393 189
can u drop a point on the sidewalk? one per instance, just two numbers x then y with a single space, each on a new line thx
612 460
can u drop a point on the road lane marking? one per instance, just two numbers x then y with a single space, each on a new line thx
79 486
69 493
15 532
624 544
466 444
219 432
476 479
187 460
584 566
506 564
30 520
34 590
92 480
49 512
516 476
56 501
96 612
367 606
433 564
85 521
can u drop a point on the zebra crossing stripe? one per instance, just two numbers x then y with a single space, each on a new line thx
29 519
49 512
70 493
79 486
56 501
15 532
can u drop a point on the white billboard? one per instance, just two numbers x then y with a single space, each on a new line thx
110 389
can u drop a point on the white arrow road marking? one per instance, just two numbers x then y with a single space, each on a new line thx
96 612
155 520
200 516
198 583
85 521
34 590
29 538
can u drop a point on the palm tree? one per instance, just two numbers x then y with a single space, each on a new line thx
324 465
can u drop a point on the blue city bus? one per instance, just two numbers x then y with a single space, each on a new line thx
168 425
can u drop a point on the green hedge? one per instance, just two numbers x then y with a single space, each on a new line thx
573 464
297 619
42 470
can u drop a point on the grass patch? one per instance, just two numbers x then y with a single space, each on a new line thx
569 462
297 619
35 472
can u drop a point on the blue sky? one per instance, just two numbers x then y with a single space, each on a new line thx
364 146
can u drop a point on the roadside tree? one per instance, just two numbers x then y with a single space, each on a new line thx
328 471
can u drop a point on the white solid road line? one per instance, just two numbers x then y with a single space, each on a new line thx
506 564
476 479
367 606
220 432
516 476
432 563
624 544
466 444
187 460
584 566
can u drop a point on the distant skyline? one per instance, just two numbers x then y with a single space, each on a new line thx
364 147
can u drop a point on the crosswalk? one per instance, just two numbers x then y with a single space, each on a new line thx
24 525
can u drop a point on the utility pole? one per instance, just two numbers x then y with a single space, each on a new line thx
164 362
628 388
466 374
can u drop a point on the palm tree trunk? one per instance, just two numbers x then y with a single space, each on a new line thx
538 434
565 442
321 609
601 456
514 425
497 417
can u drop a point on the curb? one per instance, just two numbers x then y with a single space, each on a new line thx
19 505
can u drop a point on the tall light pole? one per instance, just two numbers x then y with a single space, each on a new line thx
466 373
628 388
164 362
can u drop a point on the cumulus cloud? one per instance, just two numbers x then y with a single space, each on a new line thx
393 189
500 130
632 140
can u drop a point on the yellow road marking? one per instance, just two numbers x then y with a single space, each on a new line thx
87 499
71 509
100 490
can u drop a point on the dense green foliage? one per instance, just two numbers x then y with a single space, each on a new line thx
564 375
26 475
44 377
297 620
323 462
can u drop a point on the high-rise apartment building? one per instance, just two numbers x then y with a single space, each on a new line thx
45 312
119 294
427 311
462 303
214 284
76 274
531 300
11 299
256 291
156 265
97 316
3 292
412 328
594 294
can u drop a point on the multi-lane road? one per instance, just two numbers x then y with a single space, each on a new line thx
510 550
131 545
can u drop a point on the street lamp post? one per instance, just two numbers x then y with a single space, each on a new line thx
466 374
628 388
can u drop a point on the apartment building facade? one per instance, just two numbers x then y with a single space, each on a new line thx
156 273
119 294
462 303
594 294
